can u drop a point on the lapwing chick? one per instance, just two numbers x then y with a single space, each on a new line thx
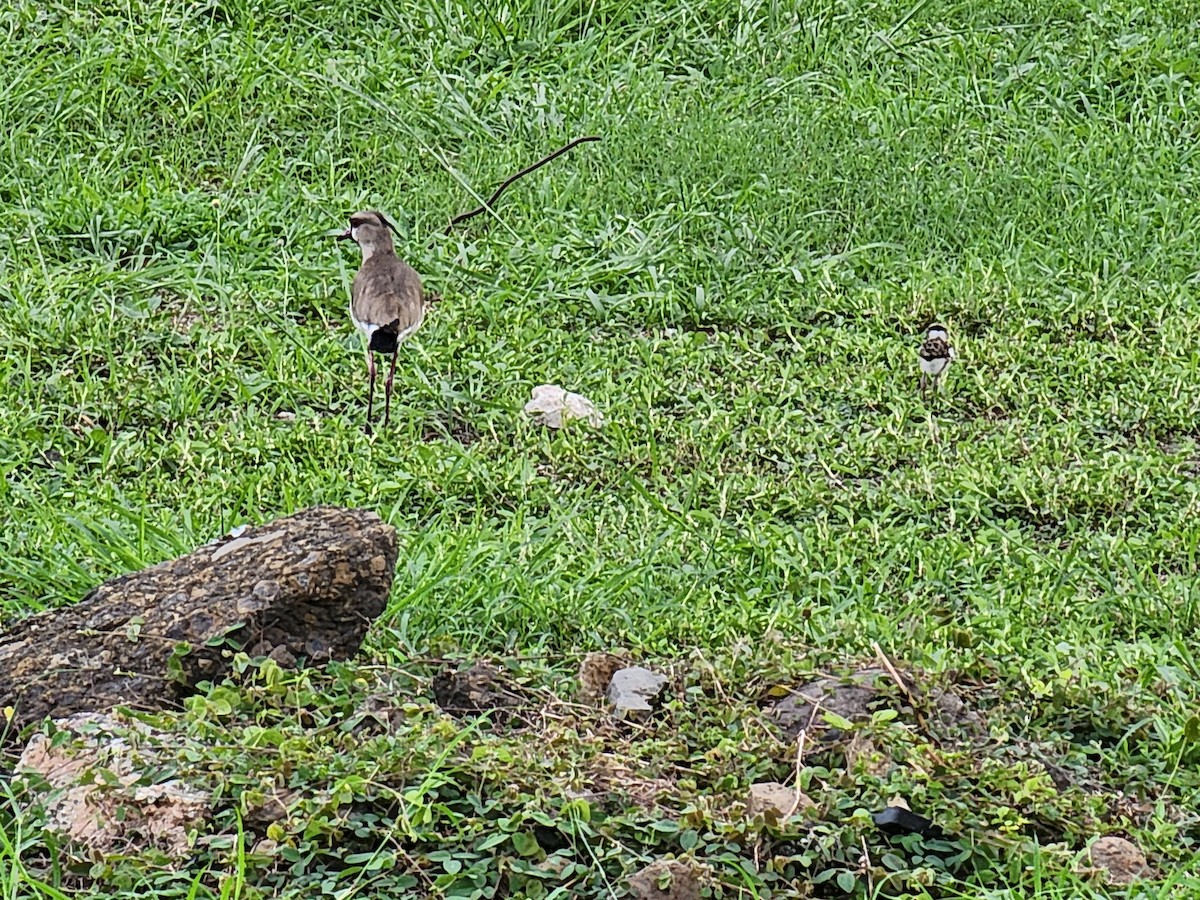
387 301
935 355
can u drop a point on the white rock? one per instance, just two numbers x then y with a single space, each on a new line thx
553 406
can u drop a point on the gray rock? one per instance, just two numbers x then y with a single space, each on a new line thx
632 689
1120 861
940 710
776 801
665 879
849 697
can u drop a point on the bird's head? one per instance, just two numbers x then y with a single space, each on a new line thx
937 331
370 230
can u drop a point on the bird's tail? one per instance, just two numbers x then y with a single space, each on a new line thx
386 338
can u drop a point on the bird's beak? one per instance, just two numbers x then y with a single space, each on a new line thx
347 235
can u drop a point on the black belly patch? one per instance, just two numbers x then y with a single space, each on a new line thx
383 341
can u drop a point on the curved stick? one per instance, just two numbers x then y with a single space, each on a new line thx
462 217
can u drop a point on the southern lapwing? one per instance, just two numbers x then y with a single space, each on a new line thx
387 301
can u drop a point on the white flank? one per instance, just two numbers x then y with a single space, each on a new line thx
366 328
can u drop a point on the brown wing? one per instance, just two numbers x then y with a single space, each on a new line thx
934 348
387 290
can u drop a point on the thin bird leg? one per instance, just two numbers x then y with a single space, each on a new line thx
387 388
370 386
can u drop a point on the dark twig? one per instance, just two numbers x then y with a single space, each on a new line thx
462 217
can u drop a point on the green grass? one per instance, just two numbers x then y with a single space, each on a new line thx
738 276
